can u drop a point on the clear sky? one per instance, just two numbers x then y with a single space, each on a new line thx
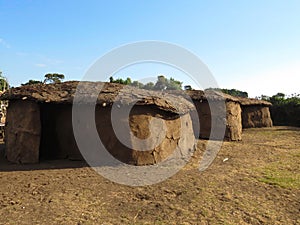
252 45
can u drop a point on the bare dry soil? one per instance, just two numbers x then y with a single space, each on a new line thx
258 183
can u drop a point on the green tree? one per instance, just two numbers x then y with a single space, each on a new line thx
173 84
149 86
137 84
32 82
285 110
167 84
120 81
161 83
233 92
3 82
278 99
54 78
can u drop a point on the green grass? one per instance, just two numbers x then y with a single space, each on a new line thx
276 174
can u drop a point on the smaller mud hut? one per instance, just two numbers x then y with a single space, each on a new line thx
255 113
231 118
39 122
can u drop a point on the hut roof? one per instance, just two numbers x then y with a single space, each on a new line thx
211 95
252 101
63 93
216 95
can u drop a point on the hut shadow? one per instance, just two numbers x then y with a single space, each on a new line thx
6 166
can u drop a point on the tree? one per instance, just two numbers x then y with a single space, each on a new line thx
285 110
263 97
120 80
149 86
167 84
278 99
233 92
161 83
53 78
3 82
137 84
173 84
32 82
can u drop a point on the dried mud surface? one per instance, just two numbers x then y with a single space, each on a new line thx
254 181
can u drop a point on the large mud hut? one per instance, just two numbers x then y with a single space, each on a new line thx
255 113
39 122
232 113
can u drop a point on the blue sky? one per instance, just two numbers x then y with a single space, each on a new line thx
249 45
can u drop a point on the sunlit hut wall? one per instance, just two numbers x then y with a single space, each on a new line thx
255 113
39 122
232 122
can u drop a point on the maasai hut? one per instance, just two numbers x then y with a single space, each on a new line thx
39 122
231 118
255 113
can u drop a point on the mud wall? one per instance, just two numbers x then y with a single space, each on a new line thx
23 132
58 138
256 116
163 132
233 121
45 131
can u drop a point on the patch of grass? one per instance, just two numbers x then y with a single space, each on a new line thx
282 177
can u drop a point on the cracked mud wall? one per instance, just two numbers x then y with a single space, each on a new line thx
23 132
233 121
256 116
168 132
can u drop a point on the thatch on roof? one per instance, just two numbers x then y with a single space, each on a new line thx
216 95
210 95
64 93
252 101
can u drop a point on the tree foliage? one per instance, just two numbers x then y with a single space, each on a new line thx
32 82
149 86
137 84
120 81
3 82
162 83
54 78
285 110
48 78
233 92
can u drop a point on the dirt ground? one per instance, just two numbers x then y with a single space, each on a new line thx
258 184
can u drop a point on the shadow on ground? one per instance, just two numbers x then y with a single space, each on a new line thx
43 165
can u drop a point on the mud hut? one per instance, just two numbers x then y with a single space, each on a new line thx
39 122
255 113
231 118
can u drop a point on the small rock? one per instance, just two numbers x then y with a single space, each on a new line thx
226 159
